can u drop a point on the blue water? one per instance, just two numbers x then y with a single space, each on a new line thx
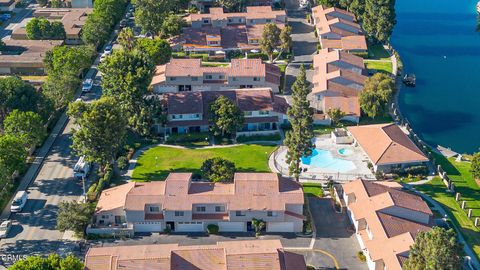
437 41
323 159
345 151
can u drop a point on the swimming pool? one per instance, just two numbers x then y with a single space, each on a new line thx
323 159
345 151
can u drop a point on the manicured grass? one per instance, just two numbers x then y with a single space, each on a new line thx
381 119
272 138
312 189
376 51
156 163
321 129
379 66
214 64
459 173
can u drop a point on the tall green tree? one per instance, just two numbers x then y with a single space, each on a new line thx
126 77
158 50
25 125
74 216
52 262
299 139
335 115
127 39
285 41
475 169
377 92
328 3
435 249
270 39
101 129
172 26
379 19
12 154
357 7
150 14
41 28
225 117
218 170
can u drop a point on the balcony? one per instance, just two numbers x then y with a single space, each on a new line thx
153 216
215 216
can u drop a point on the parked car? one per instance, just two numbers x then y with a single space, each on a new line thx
5 17
87 85
304 4
19 201
108 50
5 228
81 168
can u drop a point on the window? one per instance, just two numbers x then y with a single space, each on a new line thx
201 209
221 77
173 78
239 214
229 20
247 113
256 79
206 21
269 20
272 214
234 79
219 208
194 79
208 77
154 209
179 213
263 112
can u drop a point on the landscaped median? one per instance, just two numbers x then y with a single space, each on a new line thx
157 162
459 173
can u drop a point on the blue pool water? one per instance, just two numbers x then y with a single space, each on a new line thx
323 159
345 151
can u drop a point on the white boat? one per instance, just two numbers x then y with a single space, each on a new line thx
478 7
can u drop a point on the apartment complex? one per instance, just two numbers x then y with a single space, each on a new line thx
25 56
220 31
7 5
387 146
72 20
190 75
337 29
338 80
183 205
231 255
386 221
188 111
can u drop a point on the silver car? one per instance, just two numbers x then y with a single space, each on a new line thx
5 228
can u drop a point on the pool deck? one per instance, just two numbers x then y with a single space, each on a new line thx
324 142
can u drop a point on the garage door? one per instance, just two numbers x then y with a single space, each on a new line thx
231 226
280 227
194 226
148 227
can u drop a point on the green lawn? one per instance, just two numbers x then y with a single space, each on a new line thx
214 64
459 173
321 129
381 119
312 189
376 51
156 163
380 66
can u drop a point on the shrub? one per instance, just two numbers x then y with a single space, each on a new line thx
187 138
361 256
122 162
218 170
204 57
420 170
212 229
167 230
105 180
92 192
310 267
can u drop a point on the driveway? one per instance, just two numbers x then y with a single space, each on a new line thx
304 42
335 235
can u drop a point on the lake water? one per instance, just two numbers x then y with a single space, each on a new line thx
437 41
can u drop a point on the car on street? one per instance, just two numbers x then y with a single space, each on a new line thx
19 201
87 85
123 23
81 168
108 50
304 4
5 17
5 228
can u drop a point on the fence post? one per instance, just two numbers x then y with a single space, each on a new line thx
464 203
457 196
469 213
477 221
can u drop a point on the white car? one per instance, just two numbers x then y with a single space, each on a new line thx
103 57
19 201
108 50
304 4
87 85
5 228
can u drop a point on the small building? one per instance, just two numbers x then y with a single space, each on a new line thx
387 146
254 254
72 20
188 111
183 205
25 57
190 75
386 221
338 79
338 29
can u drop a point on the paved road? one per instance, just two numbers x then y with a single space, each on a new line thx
20 14
304 43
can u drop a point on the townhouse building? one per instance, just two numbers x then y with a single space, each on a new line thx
386 221
337 29
338 80
190 75
183 205
220 31
255 254
188 112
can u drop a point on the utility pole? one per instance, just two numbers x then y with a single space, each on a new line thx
84 191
